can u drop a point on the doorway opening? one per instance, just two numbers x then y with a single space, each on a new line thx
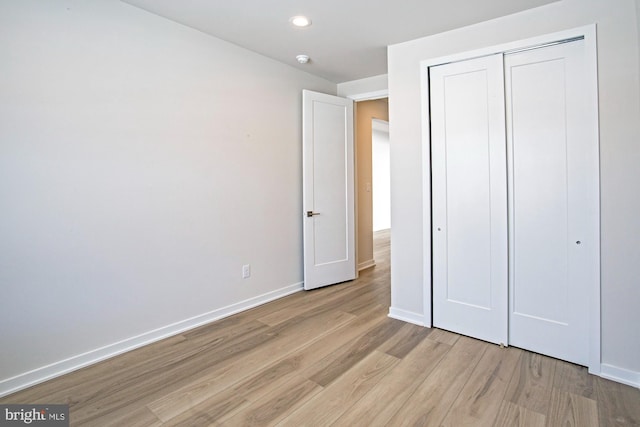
372 176
381 175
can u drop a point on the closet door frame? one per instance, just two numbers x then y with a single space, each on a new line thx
588 33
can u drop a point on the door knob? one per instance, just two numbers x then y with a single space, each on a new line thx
312 213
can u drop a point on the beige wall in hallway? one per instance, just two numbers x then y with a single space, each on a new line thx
365 111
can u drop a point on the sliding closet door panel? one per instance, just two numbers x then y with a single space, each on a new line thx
468 272
553 193
540 190
469 198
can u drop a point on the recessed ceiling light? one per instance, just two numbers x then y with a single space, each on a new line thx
300 21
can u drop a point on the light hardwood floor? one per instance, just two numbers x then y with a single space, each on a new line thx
333 357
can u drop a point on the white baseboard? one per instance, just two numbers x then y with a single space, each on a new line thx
620 375
406 316
366 264
39 375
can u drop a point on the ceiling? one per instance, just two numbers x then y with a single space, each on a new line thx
347 39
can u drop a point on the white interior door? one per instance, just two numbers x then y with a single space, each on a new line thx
553 170
328 190
469 198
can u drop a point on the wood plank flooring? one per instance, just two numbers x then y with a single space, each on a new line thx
332 357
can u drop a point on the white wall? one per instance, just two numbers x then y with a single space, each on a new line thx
141 164
381 175
638 27
619 91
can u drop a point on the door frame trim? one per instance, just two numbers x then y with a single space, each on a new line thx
589 34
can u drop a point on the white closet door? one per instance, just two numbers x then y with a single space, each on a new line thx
554 218
469 198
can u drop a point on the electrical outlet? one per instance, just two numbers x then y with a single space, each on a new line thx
246 271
